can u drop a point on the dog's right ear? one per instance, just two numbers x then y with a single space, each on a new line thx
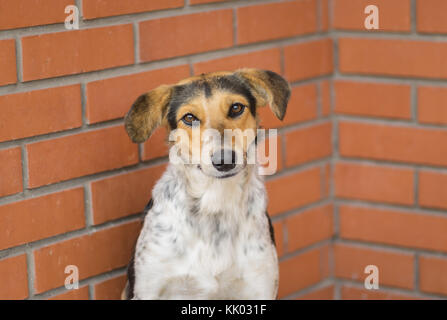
147 113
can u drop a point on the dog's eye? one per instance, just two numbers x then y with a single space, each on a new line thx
189 118
236 109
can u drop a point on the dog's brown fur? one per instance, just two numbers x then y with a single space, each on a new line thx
150 109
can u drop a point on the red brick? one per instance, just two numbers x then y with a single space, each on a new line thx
308 60
433 189
27 13
294 190
156 146
302 230
74 294
40 111
302 107
325 96
325 293
104 8
393 15
433 274
42 217
324 15
393 57
78 155
171 37
301 271
276 20
431 105
204 1
8 62
266 59
400 228
76 51
374 183
105 98
373 99
395 269
124 194
353 293
393 143
308 144
14 279
93 254
10 171
110 289
430 16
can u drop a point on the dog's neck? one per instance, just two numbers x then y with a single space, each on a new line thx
227 196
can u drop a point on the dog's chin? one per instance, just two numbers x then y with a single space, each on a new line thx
221 175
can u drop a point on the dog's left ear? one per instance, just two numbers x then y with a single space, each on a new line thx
269 88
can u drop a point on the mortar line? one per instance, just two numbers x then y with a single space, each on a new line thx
24 162
136 42
31 272
19 61
414 102
88 210
416 273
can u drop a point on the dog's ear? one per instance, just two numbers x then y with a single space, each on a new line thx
147 113
269 88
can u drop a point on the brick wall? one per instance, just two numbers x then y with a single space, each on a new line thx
362 148
390 152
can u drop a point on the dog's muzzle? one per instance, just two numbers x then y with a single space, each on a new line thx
224 160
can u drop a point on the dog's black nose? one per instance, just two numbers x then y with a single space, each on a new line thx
224 160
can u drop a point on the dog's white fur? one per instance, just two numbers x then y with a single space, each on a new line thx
206 238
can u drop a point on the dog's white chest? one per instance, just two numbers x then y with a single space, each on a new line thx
183 254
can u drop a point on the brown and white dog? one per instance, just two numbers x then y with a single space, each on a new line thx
207 234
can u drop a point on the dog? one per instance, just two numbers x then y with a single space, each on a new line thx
206 233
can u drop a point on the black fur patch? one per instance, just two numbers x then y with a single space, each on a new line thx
234 84
131 277
131 265
180 95
271 230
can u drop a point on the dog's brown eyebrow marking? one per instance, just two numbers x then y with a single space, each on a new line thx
184 92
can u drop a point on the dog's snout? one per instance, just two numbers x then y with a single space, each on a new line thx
224 160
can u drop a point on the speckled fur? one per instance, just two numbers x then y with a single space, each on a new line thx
198 244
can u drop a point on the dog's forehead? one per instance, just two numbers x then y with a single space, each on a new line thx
209 84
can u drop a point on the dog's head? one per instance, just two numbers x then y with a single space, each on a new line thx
220 106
